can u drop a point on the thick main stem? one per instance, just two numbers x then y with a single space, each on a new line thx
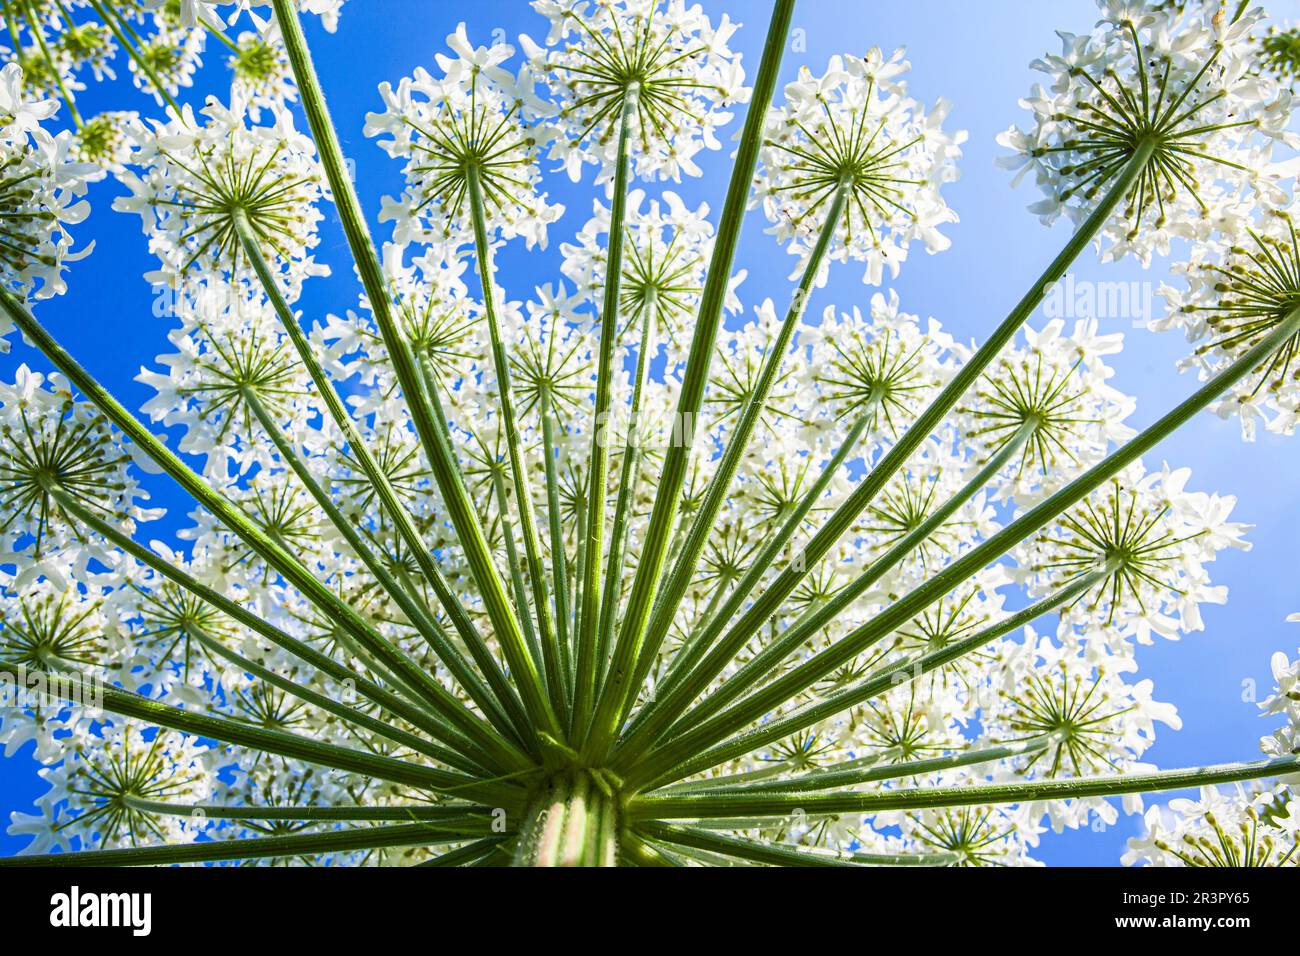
574 819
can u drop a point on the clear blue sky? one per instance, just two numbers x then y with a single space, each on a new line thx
974 54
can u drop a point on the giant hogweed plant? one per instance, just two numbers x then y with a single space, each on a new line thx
587 573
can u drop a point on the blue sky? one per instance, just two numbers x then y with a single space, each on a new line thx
974 54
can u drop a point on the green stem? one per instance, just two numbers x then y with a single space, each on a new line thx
416 813
468 854
34 24
513 568
677 759
663 515
383 486
299 844
628 481
592 545
798 635
637 852
573 820
839 776
693 807
777 855
770 600
113 24
441 458
285 744
799 678
518 462
559 556
416 614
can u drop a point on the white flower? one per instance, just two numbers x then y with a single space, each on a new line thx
1229 827
444 129
1177 77
1052 400
196 179
55 450
1151 538
41 185
1237 291
664 63
666 256
211 12
852 137
173 56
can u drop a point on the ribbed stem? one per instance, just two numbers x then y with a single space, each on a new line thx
769 601
704 806
541 611
803 630
643 635
381 484
573 820
628 481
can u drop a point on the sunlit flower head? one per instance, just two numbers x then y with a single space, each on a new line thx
851 144
1170 88
664 64
466 146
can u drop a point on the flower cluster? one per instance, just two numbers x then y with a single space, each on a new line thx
668 70
622 538
850 150
202 186
62 45
1242 825
463 134
1157 115
41 188
1238 290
